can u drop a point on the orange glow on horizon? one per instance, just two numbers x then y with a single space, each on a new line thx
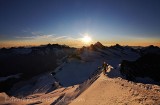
78 43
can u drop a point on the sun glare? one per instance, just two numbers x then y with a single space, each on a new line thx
86 39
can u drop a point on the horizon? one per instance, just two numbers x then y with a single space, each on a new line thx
78 23
30 46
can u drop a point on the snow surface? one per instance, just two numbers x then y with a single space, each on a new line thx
99 90
76 72
117 91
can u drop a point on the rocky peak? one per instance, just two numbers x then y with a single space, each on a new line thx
99 45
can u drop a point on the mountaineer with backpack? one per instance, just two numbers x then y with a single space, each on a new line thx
104 67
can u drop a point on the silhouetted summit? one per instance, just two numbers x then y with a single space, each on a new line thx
99 45
95 46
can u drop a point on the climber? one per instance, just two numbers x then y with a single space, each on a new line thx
104 67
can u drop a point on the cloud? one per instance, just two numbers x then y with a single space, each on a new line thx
51 38
60 37
35 37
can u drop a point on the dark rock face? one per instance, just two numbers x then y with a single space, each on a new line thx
146 66
149 49
96 46
92 47
117 46
99 45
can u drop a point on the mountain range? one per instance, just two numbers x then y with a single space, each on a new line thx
64 75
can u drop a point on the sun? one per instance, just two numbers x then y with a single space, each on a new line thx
86 39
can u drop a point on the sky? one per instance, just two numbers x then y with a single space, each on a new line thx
36 22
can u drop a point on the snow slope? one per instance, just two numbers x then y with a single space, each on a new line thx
117 91
99 90
60 96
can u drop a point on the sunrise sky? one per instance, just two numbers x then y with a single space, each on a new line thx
79 22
